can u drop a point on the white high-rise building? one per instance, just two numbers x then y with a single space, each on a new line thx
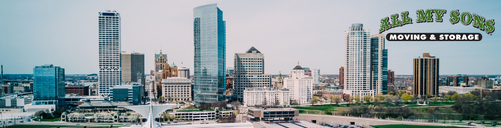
249 72
299 85
357 74
109 51
266 96
315 73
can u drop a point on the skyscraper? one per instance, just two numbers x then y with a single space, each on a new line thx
109 51
341 75
299 85
249 72
379 64
210 54
315 73
426 75
48 84
133 67
391 77
357 74
160 61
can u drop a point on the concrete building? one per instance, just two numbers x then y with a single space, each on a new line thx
357 64
210 54
315 73
77 89
273 114
426 71
48 84
379 64
109 51
391 77
299 85
132 93
249 72
160 61
176 87
183 72
485 83
263 96
457 80
133 67
341 75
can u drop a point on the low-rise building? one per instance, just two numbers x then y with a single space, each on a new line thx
459 90
132 93
195 115
176 87
266 96
77 89
273 114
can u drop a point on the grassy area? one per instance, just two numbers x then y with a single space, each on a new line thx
48 120
410 126
54 126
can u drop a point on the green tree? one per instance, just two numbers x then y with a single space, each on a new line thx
448 97
350 99
161 99
379 96
435 99
469 97
407 97
357 99
392 93
336 99
331 99
455 97
400 93
314 100
428 95
367 98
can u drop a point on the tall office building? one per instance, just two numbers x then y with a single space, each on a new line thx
426 75
109 51
391 77
299 85
210 54
160 61
249 72
48 84
357 74
379 64
315 73
341 75
133 67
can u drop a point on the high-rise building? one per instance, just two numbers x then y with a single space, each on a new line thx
160 61
249 72
341 75
315 73
426 71
357 74
299 85
391 77
210 54
133 67
379 64
48 84
109 51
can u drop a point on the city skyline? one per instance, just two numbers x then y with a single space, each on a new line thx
316 32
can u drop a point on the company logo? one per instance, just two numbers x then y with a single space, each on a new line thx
430 15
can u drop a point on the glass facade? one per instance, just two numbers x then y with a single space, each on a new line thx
357 74
379 64
210 54
48 82
109 51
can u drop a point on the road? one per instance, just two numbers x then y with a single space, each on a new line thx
330 119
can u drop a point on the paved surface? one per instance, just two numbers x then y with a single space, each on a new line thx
330 119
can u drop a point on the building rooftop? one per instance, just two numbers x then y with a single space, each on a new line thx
253 49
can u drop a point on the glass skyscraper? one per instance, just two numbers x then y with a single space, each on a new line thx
48 83
109 51
379 64
210 54
357 74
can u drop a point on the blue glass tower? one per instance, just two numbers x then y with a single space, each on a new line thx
48 82
210 54
379 64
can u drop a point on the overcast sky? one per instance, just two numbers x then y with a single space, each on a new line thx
65 33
